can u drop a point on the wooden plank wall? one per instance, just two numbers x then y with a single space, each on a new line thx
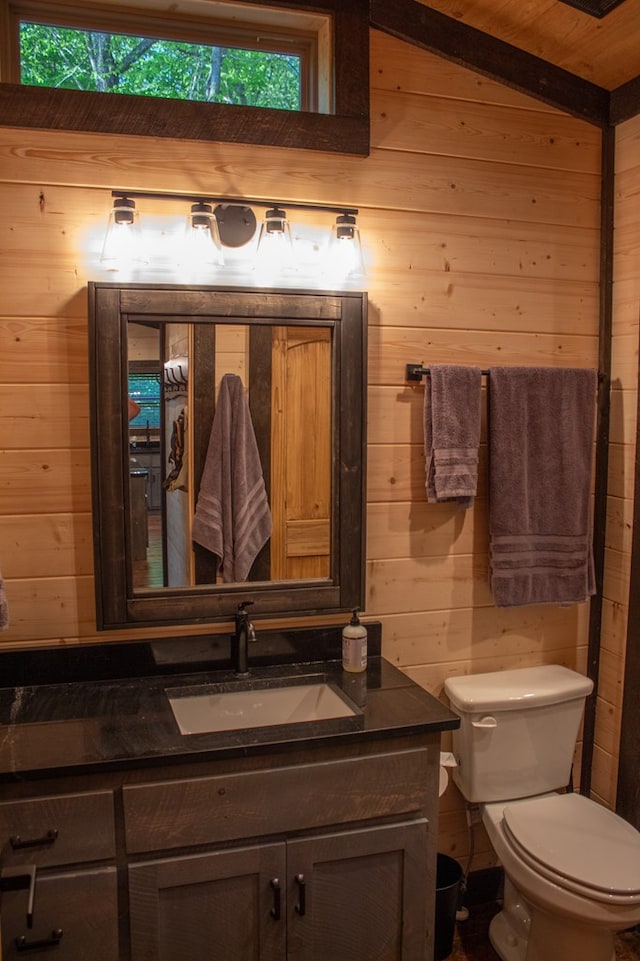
500 274
480 214
624 403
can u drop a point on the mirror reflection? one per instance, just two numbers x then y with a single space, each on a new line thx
276 433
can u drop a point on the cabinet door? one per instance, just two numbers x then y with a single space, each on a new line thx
359 895
221 906
75 918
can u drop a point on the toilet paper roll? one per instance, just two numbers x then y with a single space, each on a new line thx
444 781
446 760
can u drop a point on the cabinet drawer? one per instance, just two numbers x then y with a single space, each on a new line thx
180 813
59 829
83 905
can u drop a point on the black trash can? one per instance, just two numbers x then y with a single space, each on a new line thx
448 878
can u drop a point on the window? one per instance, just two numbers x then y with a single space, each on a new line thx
144 390
224 70
56 56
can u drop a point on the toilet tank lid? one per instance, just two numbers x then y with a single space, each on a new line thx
518 689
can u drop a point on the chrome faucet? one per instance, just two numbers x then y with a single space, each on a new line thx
244 633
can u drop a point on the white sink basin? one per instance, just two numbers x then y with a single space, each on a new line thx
203 710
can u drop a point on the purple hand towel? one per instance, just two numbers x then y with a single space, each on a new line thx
232 517
541 444
452 433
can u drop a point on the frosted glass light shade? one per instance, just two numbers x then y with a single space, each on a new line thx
123 243
275 247
201 245
345 250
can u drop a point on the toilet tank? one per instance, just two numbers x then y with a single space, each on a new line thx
517 732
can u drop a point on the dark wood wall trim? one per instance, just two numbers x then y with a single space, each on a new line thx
602 446
628 792
628 797
351 39
115 113
434 31
625 101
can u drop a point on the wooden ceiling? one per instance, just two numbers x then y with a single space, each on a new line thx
605 51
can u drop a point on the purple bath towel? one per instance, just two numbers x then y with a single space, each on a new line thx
452 433
232 517
541 445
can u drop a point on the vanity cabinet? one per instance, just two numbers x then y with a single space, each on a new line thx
70 839
307 851
348 896
340 867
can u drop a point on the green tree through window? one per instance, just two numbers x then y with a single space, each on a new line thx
56 56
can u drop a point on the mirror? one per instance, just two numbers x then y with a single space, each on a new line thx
160 420
286 372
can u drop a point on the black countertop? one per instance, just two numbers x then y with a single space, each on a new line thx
68 711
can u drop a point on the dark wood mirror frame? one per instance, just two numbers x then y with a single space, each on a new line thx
346 130
111 306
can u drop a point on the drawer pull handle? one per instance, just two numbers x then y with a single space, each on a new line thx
54 939
276 910
301 906
21 879
16 841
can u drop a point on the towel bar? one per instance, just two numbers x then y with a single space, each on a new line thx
417 372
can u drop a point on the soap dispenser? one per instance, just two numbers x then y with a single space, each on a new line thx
354 645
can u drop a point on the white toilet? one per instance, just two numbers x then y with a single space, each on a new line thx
572 867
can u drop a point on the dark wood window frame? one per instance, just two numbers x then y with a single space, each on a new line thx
346 130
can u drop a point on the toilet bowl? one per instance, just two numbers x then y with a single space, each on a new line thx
572 867
573 871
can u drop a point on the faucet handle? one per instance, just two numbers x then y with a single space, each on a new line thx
242 612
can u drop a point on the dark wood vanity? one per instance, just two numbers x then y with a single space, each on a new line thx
305 841
310 840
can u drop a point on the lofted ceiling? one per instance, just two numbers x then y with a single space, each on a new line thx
605 51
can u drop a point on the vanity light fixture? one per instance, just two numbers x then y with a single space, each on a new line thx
123 243
215 223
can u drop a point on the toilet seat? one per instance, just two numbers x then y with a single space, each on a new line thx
577 844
